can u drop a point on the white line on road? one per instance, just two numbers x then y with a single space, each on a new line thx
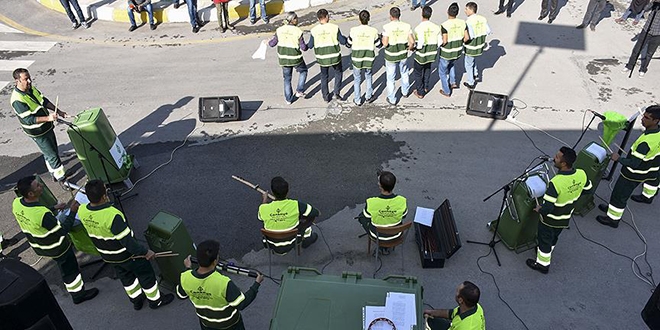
27 46
7 29
10 65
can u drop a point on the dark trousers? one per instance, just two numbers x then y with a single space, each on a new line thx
139 269
653 42
623 188
223 14
238 326
438 324
553 10
68 265
47 143
67 7
594 10
325 70
547 237
509 6
422 76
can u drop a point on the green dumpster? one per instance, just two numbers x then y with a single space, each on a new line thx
309 300
166 232
92 127
593 159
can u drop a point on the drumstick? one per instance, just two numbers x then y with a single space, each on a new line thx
618 146
252 185
605 144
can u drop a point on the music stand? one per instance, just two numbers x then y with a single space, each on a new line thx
491 244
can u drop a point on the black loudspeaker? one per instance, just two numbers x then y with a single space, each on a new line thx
219 108
26 302
489 105
651 312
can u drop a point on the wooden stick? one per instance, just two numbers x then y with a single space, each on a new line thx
252 185
605 144
618 146
157 256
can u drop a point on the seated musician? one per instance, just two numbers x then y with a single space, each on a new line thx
468 314
284 214
385 210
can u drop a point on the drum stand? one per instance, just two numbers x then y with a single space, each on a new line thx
506 189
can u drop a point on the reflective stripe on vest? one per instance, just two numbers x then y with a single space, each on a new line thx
208 296
326 45
98 224
650 165
48 243
475 47
455 33
363 48
397 33
280 215
288 45
569 187
36 109
426 34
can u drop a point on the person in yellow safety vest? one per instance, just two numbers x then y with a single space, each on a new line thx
386 210
325 40
217 300
427 39
475 42
557 208
115 241
397 40
48 237
469 315
284 214
31 109
453 32
290 45
363 40
641 165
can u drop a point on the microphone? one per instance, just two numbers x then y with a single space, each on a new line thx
597 114
231 268
545 158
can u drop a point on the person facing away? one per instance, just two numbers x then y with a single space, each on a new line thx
363 41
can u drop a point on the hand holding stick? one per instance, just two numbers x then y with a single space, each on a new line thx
253 186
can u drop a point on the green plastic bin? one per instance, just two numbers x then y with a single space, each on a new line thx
593 159
166 232
92 126
309 300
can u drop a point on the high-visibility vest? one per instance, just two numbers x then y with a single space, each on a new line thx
363 48
569 187
48 243
426 34
98 224
455 33
479 26
326 44
288 45
397 33
208 295
648 169
386 212
475 321
37 109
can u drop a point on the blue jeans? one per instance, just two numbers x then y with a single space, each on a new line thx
415 3
446 67
470 69
357 80
150 11
253 10
287 73
625 15
390 68
67 7
192 11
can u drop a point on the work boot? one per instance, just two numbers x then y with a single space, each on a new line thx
310 240
87 295
641 199
164 300
138 302
531 263
603 207
607 221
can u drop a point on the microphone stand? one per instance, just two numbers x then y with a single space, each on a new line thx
506 188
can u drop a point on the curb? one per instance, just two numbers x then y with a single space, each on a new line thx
165 12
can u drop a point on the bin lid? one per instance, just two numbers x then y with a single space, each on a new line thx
16 278
87 117
164 224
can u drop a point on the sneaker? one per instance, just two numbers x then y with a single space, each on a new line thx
419 96
390 102
289 102
357 103
300 94
75 25
164 300
310 240
625 70
542 17
132 28
531 263
195 29
641 74
86 295
266 20
454 86
405 96
231 27
253 21
551 20
500 11
85 25
469 86
641 199
371 99
604 220
444 94
152 26
139 301
581 26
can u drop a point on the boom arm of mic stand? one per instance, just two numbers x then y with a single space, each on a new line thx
510 182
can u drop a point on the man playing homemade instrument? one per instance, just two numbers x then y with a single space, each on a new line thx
558 202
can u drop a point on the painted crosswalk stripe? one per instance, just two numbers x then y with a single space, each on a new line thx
26 46
7 29
10 65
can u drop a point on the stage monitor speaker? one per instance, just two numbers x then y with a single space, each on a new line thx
489 105
651 312
219 108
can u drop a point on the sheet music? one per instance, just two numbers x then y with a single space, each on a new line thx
401 307
424 216
371 313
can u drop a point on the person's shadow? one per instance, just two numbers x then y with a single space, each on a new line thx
490 56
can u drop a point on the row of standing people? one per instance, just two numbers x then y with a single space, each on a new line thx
428 40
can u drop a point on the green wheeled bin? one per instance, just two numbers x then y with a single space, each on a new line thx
166 232
593 160
309 300
97 146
